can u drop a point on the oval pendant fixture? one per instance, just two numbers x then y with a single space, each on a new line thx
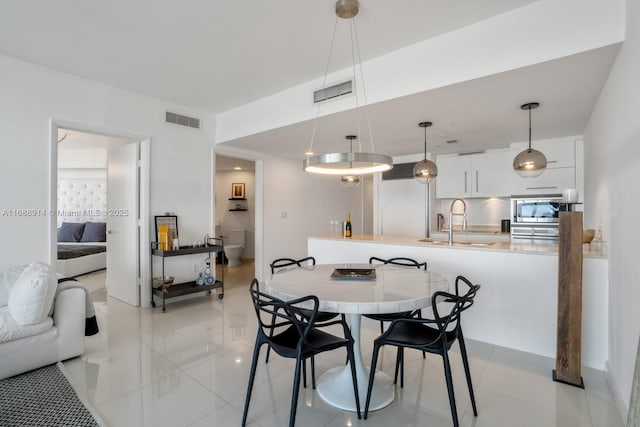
425 171
530 163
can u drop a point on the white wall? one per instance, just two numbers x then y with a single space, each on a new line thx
86 158
309 203
235 219
482 211
612 160
33 95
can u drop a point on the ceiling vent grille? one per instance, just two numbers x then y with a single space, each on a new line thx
181 120
334 91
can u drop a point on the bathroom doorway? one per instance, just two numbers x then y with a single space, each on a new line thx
235 209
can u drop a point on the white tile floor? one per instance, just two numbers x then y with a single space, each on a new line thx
189 367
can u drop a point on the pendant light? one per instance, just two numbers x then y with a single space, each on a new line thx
350 181
347 164
425 171
530 163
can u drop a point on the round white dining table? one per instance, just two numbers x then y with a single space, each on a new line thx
394 289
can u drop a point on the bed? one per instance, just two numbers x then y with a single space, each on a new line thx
82 248
82 203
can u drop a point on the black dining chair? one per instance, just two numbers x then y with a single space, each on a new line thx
400 356
390 317
322 316
435 335
292 334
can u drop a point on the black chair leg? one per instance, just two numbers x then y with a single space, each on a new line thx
266 359
252 374
467 372
449 379
294 393
356 393
381 327
402 368
313 372
399 367
304 373
395 375
372 374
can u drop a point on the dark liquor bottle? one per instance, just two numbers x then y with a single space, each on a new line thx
347 227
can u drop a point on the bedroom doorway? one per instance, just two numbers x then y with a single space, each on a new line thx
101 183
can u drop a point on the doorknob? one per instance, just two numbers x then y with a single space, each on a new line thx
108 231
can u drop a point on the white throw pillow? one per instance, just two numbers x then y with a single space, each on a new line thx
32 295
7 280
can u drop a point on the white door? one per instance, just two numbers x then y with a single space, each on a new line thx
122 224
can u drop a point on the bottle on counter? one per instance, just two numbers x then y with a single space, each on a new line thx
347 227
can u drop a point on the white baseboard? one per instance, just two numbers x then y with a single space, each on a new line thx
622 405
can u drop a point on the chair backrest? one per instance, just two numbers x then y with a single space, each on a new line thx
405 262
282 314
287 262
459 303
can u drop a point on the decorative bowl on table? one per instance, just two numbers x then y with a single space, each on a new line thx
587 235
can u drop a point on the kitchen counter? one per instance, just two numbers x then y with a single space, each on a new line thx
516 306
467 242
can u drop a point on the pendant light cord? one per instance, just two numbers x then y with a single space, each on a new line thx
529 128
364 89
324 82
353 61
425 143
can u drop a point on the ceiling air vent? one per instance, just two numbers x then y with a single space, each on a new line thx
334 91
179 119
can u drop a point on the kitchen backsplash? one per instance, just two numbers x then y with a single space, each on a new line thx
479 211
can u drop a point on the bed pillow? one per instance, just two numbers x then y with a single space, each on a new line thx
70 231
31 297
94 232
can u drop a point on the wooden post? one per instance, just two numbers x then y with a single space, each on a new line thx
569 338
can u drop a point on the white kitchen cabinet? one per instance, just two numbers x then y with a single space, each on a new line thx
559 154
559 175
552 181
473 175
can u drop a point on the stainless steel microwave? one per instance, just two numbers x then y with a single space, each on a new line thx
536 209
535 217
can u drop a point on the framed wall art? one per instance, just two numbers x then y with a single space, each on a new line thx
237 190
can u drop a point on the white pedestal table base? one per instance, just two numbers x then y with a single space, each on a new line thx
336 386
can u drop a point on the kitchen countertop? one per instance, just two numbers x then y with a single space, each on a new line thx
541 247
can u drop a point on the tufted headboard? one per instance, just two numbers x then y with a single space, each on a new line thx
82 199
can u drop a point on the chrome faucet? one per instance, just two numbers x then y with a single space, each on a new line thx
451 215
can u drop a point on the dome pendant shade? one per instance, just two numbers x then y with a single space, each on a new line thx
350 181
425 171
530 163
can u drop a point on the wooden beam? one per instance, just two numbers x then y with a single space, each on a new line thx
569 333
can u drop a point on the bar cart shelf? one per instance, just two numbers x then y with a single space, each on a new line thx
167 291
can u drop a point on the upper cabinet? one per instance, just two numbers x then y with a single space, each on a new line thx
559 175
473 175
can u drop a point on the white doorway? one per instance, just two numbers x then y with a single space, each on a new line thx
125 213
258 229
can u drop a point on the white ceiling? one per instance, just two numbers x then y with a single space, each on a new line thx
69 139
214 54
224 163
217 55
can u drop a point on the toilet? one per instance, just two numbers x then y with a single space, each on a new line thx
234 248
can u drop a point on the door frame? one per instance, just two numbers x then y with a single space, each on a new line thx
238 153
144 142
